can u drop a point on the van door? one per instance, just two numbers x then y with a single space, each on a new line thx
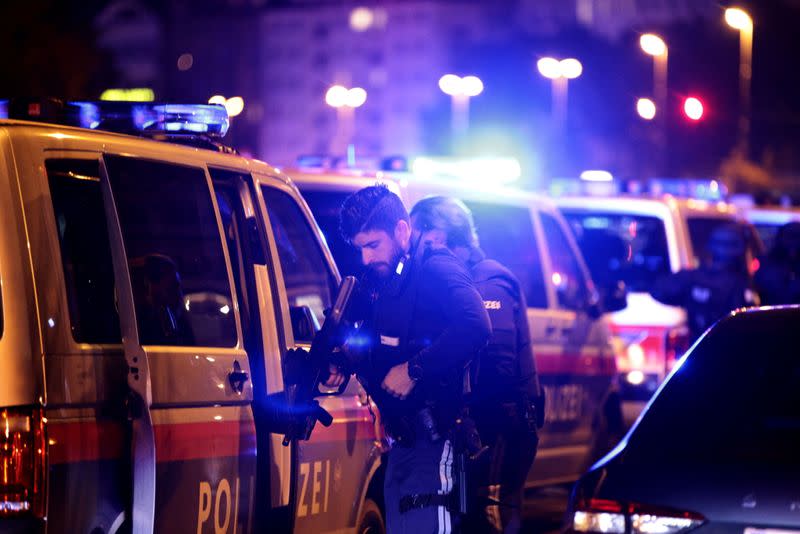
584 363
193 442
246 241
335 465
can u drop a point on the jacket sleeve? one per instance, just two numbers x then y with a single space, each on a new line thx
467 324
673 288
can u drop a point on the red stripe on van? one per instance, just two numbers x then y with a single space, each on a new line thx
574 364
85 441
214 439
343 431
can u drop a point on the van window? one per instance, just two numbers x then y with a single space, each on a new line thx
305 274
85 251
644 236
178 273
567 278
506 235
325 206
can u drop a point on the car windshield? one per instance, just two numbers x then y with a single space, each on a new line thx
647 255
325 207
734 401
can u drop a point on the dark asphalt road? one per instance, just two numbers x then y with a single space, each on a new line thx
544 510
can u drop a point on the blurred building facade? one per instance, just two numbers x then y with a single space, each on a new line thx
281 56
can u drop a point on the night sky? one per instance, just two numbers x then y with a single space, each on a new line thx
48 49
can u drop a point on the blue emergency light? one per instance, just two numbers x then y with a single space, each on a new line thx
123 117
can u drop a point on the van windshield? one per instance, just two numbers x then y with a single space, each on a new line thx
325 207
646 256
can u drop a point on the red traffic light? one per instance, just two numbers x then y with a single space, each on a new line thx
693 108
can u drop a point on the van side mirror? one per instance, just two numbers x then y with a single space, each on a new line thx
304 326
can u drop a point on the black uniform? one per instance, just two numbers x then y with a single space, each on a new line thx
707 294
430 311
778 279
505 389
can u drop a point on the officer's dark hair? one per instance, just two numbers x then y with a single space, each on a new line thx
371 208
449 215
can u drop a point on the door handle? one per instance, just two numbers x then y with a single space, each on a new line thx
549 330
237 377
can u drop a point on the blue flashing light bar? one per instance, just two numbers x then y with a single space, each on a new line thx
123 117
697 188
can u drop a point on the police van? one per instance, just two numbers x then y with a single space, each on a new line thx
662 234
149 296
525 232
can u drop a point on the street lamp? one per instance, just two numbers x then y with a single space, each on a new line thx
738 19
559 73
646 108
654 46
460 91
345 101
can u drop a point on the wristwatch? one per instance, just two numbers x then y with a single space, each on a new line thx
414 369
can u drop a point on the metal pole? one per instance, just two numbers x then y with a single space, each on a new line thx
745 77
460 120
660 89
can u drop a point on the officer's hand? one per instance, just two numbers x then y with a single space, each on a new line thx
397 382
335 377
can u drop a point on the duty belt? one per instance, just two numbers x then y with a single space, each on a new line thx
425 500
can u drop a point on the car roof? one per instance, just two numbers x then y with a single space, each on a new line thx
161 149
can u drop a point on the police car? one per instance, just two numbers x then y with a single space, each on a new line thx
149 295
662 233
767 220
525 232
716 448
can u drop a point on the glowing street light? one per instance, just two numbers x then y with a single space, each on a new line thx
559 73
653 45
233 105
460 89
738 19
646 108
345 101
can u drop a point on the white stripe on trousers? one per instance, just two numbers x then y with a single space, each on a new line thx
446 478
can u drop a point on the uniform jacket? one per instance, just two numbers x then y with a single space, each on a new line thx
507 368
430 310
706 294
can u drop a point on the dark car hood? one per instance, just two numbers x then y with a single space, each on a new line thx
762 497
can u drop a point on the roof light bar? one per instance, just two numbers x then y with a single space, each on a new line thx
123 117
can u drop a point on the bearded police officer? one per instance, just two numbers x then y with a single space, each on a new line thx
424 322
506 392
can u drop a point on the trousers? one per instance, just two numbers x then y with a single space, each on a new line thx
513 441
424 468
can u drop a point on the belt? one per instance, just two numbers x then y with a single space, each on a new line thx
425 500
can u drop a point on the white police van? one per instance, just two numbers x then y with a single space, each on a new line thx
149 295
662 233
575 358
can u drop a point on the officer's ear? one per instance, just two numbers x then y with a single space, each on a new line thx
402 233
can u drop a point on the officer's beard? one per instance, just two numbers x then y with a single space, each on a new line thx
381 271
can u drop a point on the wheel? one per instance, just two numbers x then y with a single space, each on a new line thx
371 520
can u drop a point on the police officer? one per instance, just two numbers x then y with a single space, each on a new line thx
505 387
716 287
425 321
778 279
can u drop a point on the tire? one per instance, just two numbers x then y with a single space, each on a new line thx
371 519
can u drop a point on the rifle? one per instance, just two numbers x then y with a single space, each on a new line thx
305 370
